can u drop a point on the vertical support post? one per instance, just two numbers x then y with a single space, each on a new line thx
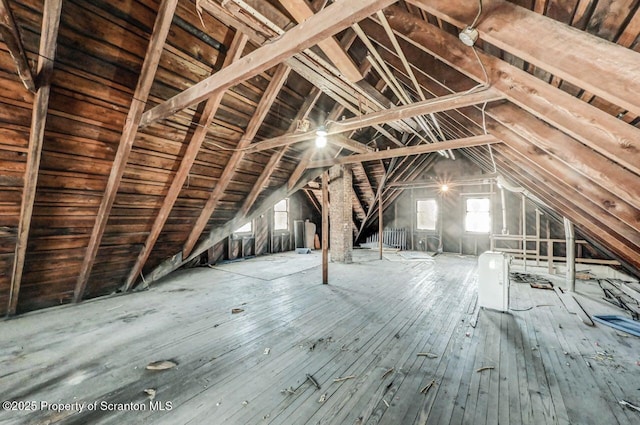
570 255
380 225
549 248
524 233
413 216
537 237
325 227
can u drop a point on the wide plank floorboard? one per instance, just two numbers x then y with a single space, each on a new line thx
368 325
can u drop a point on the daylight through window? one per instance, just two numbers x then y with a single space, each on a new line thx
478 216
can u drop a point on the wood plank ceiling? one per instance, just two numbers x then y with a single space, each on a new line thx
163 125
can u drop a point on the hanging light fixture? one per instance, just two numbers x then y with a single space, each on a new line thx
321 137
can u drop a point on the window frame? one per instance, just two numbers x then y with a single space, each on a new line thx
437 215
240 232
488 212
286 211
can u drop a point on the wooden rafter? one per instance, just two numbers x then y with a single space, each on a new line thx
368 189
409 150
11 37
600 131
325 23
198 136
347 94
257 188
552 190
502 24
301 11
46 58
278 80
439 104
141 93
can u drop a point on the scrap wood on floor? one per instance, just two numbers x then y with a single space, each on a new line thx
533 280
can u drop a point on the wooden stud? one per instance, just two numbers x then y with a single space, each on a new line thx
201 128
380 224
147 74
325 227
46 58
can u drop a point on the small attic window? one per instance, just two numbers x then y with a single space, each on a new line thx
246 228
281 215
478 215
426 214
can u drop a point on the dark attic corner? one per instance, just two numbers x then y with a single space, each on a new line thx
320 212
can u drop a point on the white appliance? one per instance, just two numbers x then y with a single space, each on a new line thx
493 280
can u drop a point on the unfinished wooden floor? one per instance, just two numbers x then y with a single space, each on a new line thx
543 365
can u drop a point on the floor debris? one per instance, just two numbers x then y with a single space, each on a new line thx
161 365
236 310
387 372
151 393
485 368
427 387
267 351
313 381
322 398
344 379
385 402
428 355
244 403
629 405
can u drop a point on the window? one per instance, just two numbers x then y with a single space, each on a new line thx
427 214
281 215
478 216
246 228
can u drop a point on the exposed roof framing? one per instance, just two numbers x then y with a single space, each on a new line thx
201 126
147 74
267 100
46 58
162 139
306 34
503 23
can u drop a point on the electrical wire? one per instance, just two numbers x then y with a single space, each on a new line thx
475 21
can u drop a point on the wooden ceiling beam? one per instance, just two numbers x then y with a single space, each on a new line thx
138 102
269 96
200 130
11 37
347 94
439 104
46 58
409 150
605 69
301 11
325 23
600 131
